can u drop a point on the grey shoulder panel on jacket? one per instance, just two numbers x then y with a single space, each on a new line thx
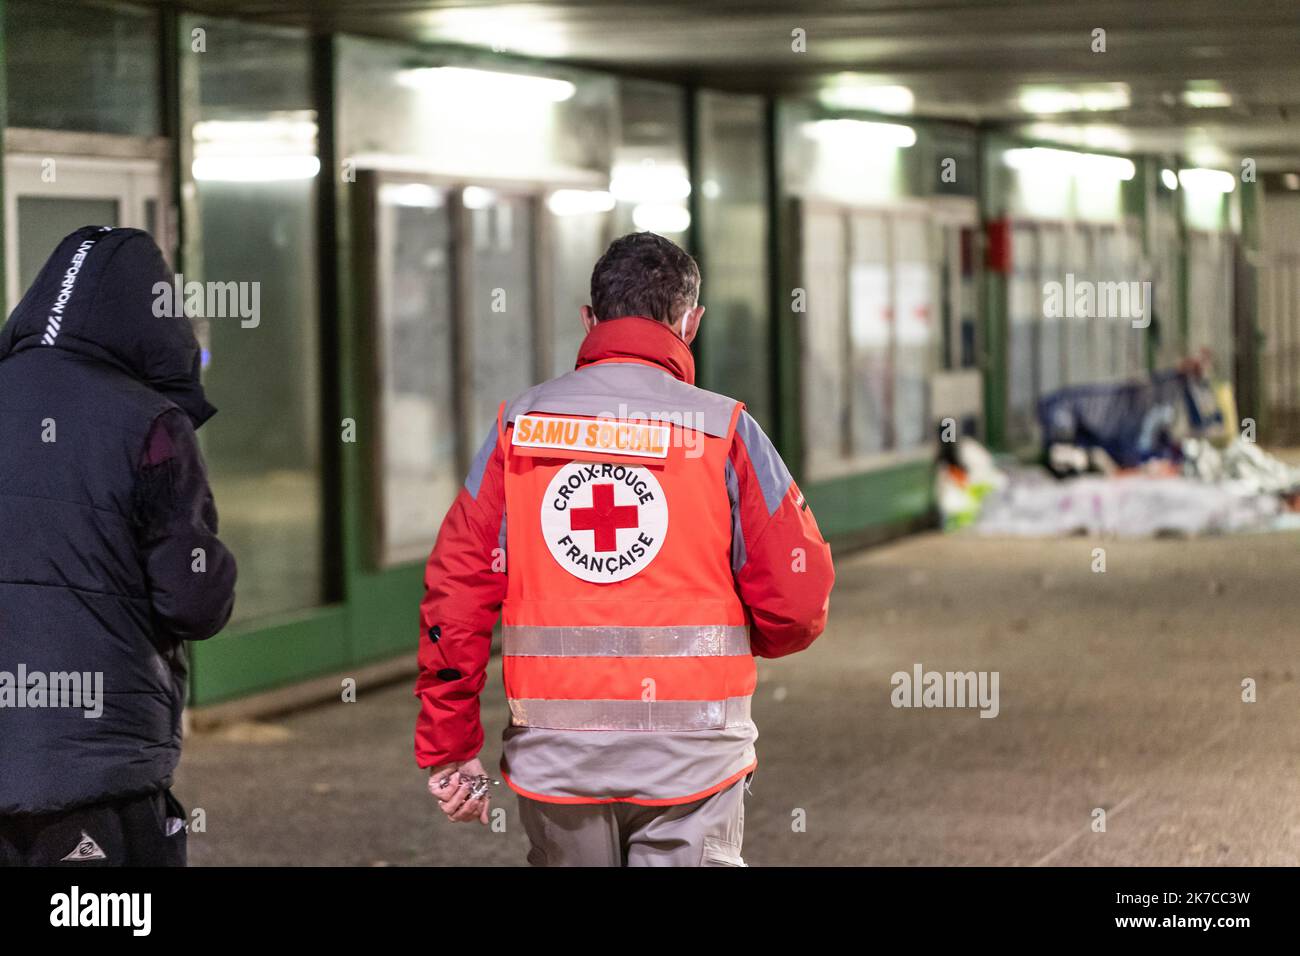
620 390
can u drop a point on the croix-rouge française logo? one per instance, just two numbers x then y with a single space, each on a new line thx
604 522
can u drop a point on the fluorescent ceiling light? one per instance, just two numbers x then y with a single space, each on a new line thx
860 133
1044 159
1169 178
1207 180
649 182
1108 138
661 217
254 169
250 151
876 99
576 202
413 195
476 197
1206 98
1208 156
1051 99
1106 98
462 81
263 137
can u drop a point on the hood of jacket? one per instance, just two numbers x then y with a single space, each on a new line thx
96 296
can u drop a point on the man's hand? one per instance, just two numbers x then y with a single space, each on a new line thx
454 797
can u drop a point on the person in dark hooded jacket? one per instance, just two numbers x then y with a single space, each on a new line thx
109 557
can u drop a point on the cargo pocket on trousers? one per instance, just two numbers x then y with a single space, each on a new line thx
720 853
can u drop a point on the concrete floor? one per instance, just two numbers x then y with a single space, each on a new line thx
1119 690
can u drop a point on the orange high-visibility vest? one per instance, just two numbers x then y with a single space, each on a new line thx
625 645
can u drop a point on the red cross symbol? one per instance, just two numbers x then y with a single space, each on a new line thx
603 517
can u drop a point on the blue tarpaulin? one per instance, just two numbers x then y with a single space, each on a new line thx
1130 421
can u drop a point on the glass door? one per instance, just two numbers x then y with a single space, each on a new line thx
474 292
1053 328
500 302
49 196
415 363
825 382
1024 311
915 280
871 335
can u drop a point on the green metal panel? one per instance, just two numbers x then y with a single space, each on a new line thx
385 613
994 306
888 496
263 656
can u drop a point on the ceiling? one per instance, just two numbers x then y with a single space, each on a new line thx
1026 64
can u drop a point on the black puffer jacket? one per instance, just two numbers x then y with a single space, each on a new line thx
108 550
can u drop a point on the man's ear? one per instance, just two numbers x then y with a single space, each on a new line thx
589 319
691 324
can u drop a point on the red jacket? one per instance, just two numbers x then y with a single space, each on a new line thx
782 566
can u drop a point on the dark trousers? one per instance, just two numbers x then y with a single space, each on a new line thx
137 831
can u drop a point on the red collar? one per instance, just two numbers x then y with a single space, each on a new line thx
638 339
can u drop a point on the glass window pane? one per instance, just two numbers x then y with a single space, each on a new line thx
1051 330
1167 288
947 244
252 214
824 380
914 350
500 309
577 241
1106 362
1078 351
420 474
151 217
454 112
86 67
1209 301
735 345
871 317
649 176
969 298
1024 307
44 220
1137 267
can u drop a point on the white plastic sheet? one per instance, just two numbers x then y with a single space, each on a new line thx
1035 505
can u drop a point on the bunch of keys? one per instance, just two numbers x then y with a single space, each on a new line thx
478 784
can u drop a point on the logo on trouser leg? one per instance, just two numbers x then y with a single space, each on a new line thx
87 849
604 522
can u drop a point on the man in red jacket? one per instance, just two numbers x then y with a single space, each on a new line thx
643 542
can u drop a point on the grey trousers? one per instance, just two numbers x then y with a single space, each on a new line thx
707 832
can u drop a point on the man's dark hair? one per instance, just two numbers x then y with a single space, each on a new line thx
644 274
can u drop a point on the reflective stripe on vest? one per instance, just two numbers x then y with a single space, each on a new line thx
701 677
689 641
631 714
